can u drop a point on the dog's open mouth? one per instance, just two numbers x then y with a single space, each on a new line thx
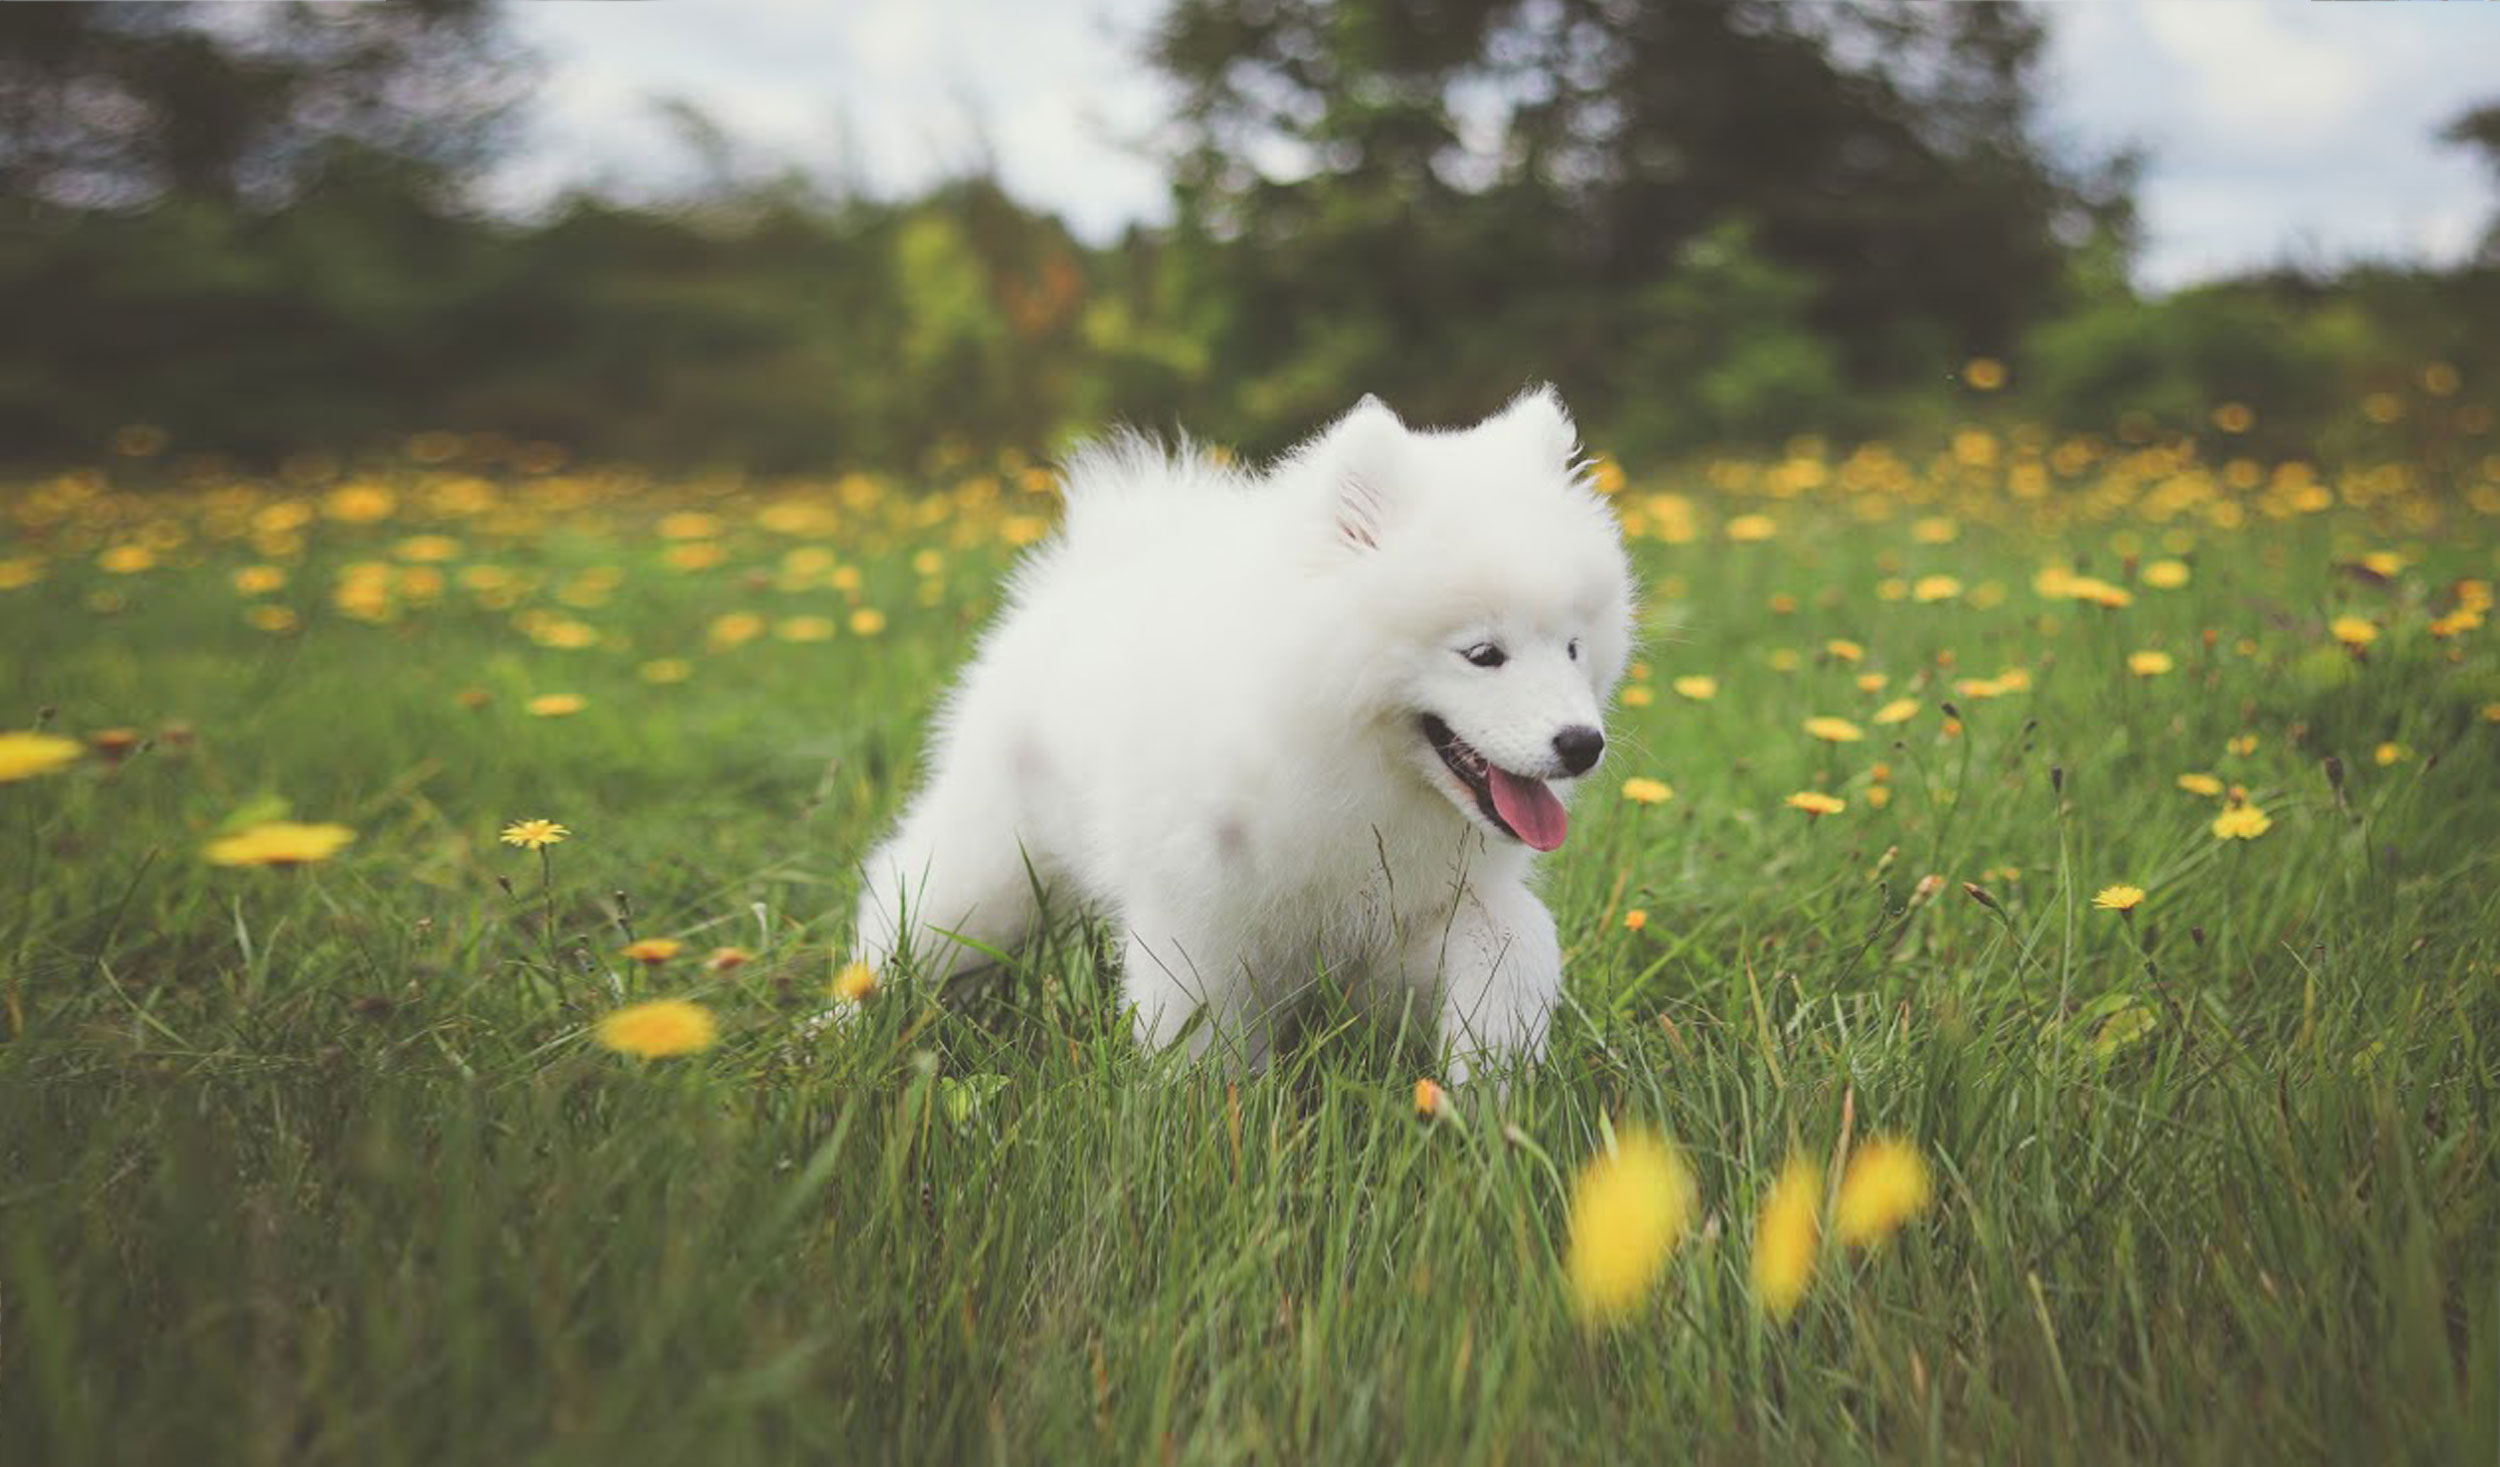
1515 803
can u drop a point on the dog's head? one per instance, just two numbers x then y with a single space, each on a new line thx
1497 603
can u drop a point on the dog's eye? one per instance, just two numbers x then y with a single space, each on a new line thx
1574 649
1485 654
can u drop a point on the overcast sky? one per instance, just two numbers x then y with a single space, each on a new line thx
2276 128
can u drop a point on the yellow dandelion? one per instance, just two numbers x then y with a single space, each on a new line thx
1841 649
1983 374
1699 687
1629 1210
2118 898
1814 802
2242 822
2200 784
1641 790
2150 663
659 1029
661 671
1637 696
1899 710
1431 1101
736 628
855 984
1936 529
1872 682
2166 575
2242 745
1835 730
805 629
1935 588
727 959
1636 919
26 754
279 843
1885 1186
259 580
654 950
126 560
556 705
2354 631
2390 753
534 835
1747 528
1787 1237
867 621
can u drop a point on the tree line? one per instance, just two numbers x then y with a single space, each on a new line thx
1714 223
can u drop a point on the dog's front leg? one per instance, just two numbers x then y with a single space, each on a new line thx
1497 966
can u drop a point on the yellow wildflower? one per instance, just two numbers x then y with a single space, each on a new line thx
2150 663
2200 784
279 843
24 755
654 950
534 835
2118 898
1899 710
1698 687
1641 790
1629 1210
2354 631
2242 822
557 705
1885 1186
1814 802
1835 730
659 1029
856 983
1430 1099
1787 1237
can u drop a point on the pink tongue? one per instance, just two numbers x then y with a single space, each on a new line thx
1529 809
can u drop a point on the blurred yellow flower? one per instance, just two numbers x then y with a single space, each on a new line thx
2242 745
654 950
1752 527
259 580
2389 753
856 983
534 835
659 1029
557 705
2200 784
1834 730
1642 790
1430 1099
867 621
805 629
1629 1210
2354 631
1899 710
2242 822
2149 663
1636 919
1983 374
726 959
26 754
1787 1237
1699 687
1935 588
279 843
2118 898
663 670
1885 1186
1814 802
2166 575
1841 649
1637 696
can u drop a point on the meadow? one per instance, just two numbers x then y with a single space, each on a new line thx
2109 826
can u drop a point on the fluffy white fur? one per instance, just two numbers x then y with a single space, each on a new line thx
1203 717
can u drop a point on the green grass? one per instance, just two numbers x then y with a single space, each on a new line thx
321 1166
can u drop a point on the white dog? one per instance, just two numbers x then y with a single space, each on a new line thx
1310 725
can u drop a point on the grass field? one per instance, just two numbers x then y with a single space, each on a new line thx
322 1162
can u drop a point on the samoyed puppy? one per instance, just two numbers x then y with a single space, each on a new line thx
1305 726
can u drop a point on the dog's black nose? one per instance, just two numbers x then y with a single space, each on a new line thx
1579 746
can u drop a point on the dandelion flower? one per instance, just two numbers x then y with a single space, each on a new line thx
534 835
2390 753
1899 710
2242 822
556 705
1787 1237
1430 1099
1636 919
1645 791
1835 730
727 959
1637 696
867 621
663 670
1629 1210
1699 687
2354 631
659 1029
2200 784
279 843
1886 1185
654 950
2150 664
2243 745
1814 802
2166 575
855 984
1746 528
1935 588
2118 898
24 755
1841 649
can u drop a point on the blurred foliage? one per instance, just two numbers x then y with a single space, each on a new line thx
1716 223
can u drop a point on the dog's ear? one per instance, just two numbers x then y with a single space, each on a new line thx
1538 416
1361 456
